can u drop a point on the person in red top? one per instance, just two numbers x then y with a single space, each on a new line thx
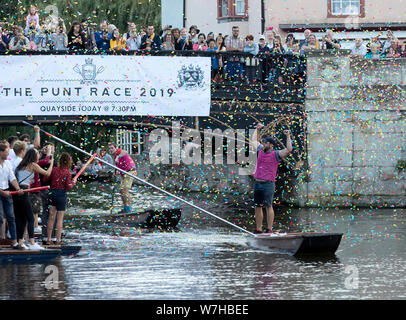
124 161
61 182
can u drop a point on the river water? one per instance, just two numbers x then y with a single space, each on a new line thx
205 259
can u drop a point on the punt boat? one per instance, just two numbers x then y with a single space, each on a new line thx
68 249
8 255
100 177
298 243
154 218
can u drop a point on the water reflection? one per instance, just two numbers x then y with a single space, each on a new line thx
28 281
206 260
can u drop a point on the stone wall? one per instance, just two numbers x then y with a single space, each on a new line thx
356 138
356 132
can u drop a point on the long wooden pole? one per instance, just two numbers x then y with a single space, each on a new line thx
143 181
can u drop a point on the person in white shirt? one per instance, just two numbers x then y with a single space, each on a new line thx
359 49
6 202
389 37
11 141
20 147
133 39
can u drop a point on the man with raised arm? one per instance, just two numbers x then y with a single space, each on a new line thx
37 140
265 175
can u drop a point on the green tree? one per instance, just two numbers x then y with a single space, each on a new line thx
142 12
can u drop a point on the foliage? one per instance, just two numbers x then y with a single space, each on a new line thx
401 165
117 12
83 136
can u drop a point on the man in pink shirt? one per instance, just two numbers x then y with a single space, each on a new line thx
265 175
124 162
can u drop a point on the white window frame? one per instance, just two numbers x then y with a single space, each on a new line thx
125 141
356 3
224 9
240 13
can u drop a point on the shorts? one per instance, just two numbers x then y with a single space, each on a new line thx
263 193
57 199
35 199
127 181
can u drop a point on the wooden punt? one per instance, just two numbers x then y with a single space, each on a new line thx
154 218
67 249
100 177
8 255
298 243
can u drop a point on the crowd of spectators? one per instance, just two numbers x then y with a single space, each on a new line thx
85 35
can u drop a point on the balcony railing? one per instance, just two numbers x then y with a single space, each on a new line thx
235 75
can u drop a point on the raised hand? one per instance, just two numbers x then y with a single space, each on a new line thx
260 126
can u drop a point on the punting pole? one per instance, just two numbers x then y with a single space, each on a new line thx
141 180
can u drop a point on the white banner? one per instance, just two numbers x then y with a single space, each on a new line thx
104 85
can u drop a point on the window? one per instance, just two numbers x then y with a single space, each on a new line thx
224 8
129 140
232 9
240 7
345 8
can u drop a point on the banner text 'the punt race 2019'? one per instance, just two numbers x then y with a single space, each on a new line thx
76 85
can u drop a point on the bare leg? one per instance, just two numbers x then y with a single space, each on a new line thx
125 196
59 225
51 222
35 220
259 217
270 215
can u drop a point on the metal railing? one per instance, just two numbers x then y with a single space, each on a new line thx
129 140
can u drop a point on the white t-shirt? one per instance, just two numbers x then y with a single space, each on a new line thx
361 51
11 155
15 163
6 175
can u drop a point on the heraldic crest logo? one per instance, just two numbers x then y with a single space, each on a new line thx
88 71
191 77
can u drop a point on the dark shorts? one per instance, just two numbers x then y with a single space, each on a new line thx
35 199
263 193
57 199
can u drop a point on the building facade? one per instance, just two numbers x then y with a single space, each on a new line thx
358 18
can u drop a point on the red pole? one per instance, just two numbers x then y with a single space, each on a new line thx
85 166
30 190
